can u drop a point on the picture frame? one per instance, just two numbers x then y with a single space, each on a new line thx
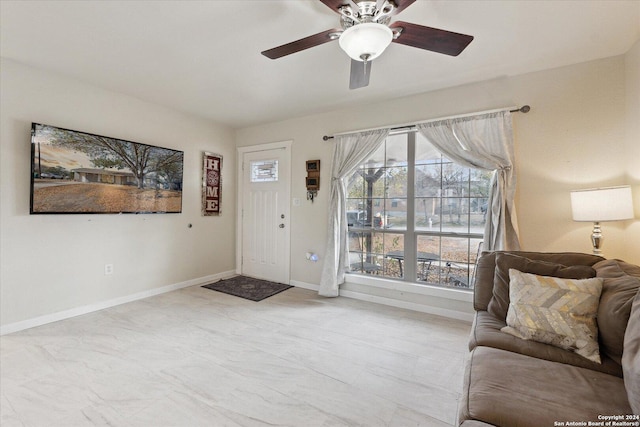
313 166
313 183
211 184
74 172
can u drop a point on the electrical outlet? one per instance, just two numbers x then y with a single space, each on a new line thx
108 269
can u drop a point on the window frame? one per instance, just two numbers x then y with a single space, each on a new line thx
412 233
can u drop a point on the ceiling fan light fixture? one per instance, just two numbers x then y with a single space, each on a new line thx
365 42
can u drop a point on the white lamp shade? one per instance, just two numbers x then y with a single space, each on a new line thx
602 204
366 40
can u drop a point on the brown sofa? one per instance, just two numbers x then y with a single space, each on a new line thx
512 382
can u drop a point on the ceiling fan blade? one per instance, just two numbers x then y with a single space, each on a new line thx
401 5
336 4
433 39
360 73
302 44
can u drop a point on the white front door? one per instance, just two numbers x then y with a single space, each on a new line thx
265 214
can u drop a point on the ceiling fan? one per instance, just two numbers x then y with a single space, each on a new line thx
367 31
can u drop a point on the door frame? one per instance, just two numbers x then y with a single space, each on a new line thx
241 151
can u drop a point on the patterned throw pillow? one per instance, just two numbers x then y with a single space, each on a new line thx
560 312
499 303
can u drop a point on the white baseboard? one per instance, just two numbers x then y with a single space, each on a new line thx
304 285
78 311
423 308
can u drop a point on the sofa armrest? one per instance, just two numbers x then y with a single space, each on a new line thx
483 285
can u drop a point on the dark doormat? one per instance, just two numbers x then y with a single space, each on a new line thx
248 287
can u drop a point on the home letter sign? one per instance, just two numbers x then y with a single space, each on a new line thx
211 184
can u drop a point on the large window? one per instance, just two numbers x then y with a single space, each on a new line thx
414 215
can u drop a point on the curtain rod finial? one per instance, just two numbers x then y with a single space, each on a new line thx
326 138
523 109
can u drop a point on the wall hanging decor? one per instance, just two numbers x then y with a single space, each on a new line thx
312 181
211 184
75 172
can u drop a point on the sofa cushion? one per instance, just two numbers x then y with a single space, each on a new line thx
509 389
499 303
621 284
560 312
486 266
631 356
486 332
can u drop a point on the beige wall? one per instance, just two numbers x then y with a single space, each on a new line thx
632 150
55 263
582 131
574 137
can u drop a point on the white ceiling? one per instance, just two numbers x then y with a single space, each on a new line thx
203 57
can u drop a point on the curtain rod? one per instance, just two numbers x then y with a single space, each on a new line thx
523 109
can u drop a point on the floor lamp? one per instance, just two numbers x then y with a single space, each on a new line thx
601 204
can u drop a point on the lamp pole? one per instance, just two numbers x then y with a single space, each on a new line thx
596 238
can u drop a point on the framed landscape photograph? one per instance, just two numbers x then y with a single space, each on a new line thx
75 172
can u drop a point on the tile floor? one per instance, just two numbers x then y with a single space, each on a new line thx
196 357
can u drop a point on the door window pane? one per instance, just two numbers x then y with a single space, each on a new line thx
264 171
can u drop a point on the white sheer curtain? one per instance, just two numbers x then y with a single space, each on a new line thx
484 142
349 153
